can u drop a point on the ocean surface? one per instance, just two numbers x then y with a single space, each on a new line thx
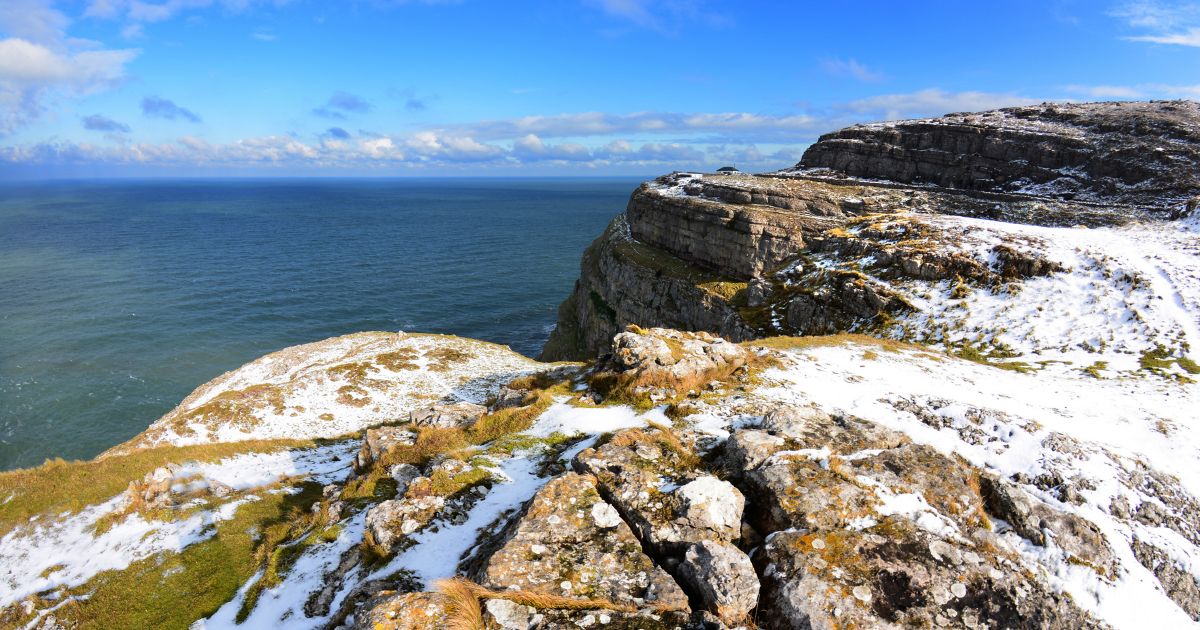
117 299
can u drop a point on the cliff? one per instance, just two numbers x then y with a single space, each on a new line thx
974 266
995 427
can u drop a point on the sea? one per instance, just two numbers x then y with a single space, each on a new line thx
118 298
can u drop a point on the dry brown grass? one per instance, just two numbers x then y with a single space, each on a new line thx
465 597
665 438
463 611
839 339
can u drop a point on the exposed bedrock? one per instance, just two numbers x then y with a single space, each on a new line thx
877 214
1138 153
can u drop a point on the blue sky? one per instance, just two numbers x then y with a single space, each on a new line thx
566 87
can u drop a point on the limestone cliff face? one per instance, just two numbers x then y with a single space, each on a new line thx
1137 153
878 220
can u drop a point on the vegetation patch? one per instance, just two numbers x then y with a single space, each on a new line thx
172 590
1160 360
60 486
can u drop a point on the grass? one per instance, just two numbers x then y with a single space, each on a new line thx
971 353
1158 361
838 339
431 442
60 486
1095 369
665 438
281 544
173 590
729 291
645 389
464 599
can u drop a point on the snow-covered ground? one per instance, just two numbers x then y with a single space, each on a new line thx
1008 423
437 549
49 554
1124 292
336 386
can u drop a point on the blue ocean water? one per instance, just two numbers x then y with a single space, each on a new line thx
119 298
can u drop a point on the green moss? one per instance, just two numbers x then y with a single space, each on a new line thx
602 308
1094 369
1188 365
1160 359
731 292
59 486
172 590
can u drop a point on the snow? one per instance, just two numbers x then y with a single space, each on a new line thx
438 548
1125 291
568 420
309 388
1117 423
284 603
66 553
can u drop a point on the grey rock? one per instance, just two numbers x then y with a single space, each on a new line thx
723 576
1139 153
390 522
404 474
508 615
1179 583
460 415
556 546
378 442
1044 525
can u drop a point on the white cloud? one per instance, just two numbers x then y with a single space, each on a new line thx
32 20
665 16
851 68
531 148
1139 91
30 72
602 124
1106 91
1189 37
932 102
1171 23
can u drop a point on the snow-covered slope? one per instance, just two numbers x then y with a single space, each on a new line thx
334 387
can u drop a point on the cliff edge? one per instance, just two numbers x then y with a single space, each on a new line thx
1055 237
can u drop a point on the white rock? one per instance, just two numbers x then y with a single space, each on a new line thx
713 504
605 515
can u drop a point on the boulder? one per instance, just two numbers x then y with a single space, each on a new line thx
724 578
568 542
1044 525
459 415
390 523
406 611
378 442
897 575
507 615
668 504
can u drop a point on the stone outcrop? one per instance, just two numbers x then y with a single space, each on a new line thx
845 239
407 611
569 542
864 528
1143 154
681 479
668 504
723 577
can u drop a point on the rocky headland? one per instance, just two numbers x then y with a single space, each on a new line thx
939 374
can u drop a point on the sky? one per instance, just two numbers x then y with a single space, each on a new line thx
134 88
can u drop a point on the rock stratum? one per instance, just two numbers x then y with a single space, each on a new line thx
939 374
